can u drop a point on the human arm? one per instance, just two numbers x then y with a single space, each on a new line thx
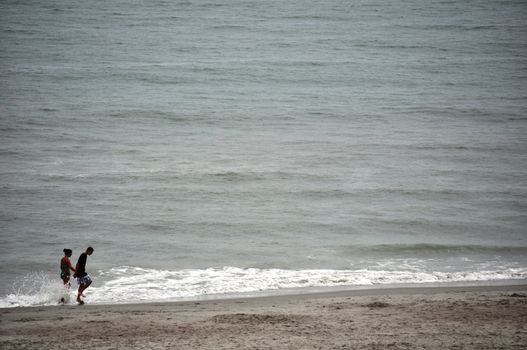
69 265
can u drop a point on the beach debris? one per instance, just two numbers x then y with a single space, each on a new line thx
377 304
242 318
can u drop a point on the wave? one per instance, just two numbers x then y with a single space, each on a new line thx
249 176
441 248
228 27
126 284
166 174
449 27
416 192
141 114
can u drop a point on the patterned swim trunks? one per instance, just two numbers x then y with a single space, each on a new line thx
83 280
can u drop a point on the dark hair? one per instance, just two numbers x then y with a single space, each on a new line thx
67 251
90 249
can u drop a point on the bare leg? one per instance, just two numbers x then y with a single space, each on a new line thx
79 293
82 288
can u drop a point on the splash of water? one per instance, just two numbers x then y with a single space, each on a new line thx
37 289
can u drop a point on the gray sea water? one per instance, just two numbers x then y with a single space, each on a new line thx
222 146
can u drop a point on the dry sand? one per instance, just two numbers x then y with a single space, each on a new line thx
412 318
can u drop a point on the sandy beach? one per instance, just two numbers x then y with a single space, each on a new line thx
493 317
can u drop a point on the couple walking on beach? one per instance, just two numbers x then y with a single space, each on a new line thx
83 279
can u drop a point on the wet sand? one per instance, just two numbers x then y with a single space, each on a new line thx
492 317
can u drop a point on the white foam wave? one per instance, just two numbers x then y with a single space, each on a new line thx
138 284
133 284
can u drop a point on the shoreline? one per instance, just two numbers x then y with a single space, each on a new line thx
378 289
468 317
373 289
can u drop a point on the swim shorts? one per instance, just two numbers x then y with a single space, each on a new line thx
84 280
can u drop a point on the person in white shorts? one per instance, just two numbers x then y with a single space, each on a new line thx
83 279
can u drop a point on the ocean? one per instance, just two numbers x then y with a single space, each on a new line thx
212 148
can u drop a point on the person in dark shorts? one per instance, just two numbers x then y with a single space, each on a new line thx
83 279
65 267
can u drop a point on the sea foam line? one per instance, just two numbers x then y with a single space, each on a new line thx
126 284
138 284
